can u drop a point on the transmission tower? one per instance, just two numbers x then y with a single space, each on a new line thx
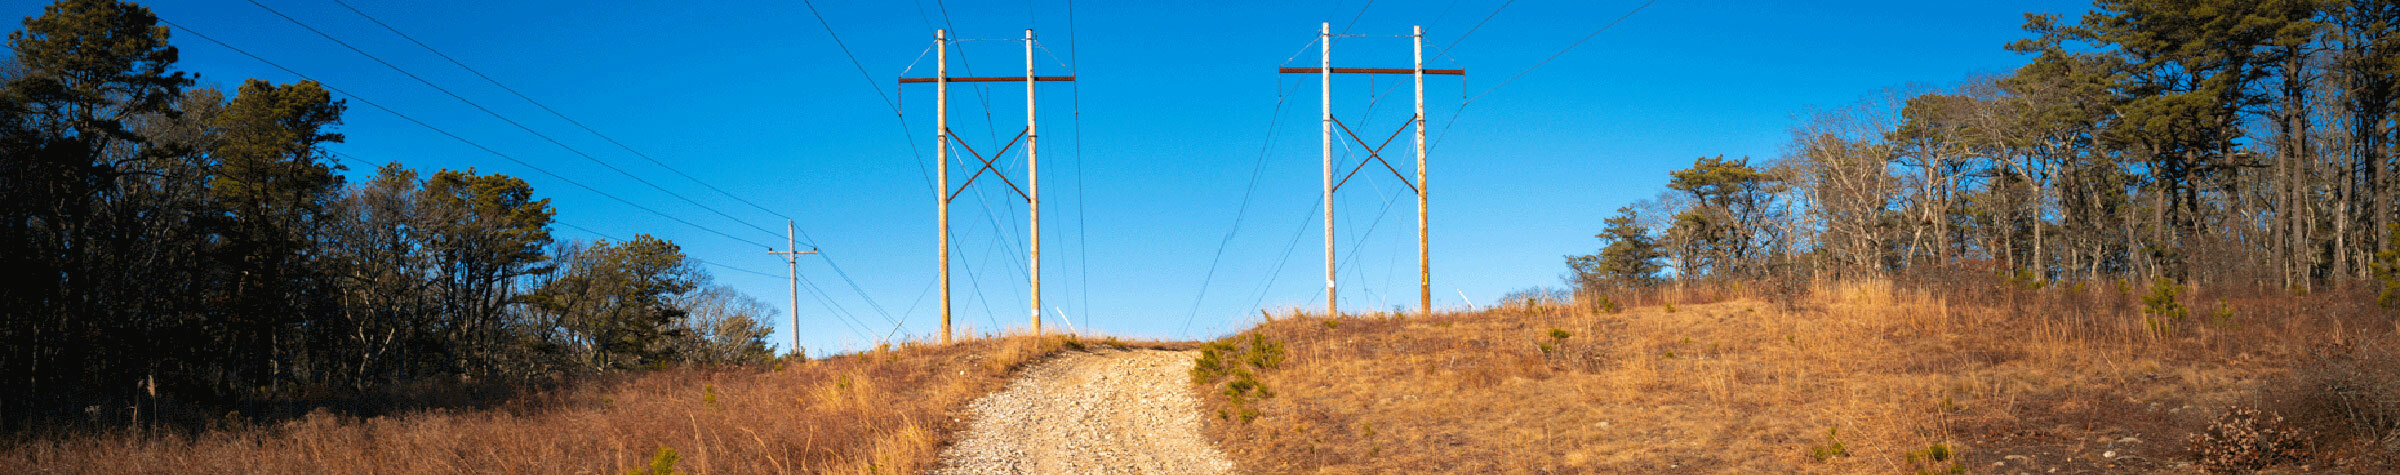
1032 192
1325 72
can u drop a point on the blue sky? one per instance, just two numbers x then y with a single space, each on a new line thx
1174 108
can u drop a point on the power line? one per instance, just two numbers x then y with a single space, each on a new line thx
503 118
1563 51
1462 105
1471 31
901 120
1354 17
554 112
1277 272
1257 168
831 308
694 259
1083 267
446 133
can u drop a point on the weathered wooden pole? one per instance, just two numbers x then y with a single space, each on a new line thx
1424 243
941 158
1033 188
1325 100
791 259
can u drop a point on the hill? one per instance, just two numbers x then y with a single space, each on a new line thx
1861 377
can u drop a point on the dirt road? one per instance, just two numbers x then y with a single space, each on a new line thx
1102 412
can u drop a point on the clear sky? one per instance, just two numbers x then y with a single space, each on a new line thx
1176 101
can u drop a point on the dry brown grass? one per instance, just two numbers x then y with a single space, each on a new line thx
883 411
1726 380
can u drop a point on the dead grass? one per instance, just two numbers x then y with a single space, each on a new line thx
1854 377
883 411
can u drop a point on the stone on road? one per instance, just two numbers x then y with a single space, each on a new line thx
1101 412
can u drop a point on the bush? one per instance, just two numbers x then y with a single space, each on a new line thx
1234 361
1937 458
2162 302
662 463
2349 393
2247 439
1832 447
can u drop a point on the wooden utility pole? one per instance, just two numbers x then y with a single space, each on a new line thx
1424 243
1033 187
1325 72
791 258
1325 127
943 193
941 163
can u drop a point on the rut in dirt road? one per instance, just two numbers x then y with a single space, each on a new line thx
1101 412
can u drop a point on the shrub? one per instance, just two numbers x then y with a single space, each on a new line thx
1233 361
2247 439
1559 334
2347 393
1264 353
2162 302
662 463
2387 274
1937 459
1211 366
1831 448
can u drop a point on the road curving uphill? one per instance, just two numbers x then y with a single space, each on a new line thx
1109 411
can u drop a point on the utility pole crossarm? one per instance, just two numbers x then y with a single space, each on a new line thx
988 79
791 260
1306 70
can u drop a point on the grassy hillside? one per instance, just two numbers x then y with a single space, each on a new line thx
885 411
1852 378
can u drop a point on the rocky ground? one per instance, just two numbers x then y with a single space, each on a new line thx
1101 412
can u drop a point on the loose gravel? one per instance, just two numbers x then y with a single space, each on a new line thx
1102 412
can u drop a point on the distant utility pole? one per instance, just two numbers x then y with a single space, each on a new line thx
1325 72
942 141
791 257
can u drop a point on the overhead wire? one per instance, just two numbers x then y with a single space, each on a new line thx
1280 95
554 112
1462 105
1083 257
848 320
452 136
803 234
900 119
1471 31
1257 168
504 118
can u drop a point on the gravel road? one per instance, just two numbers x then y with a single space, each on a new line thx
1102 412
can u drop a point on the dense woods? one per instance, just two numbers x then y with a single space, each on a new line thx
2211 142
182 249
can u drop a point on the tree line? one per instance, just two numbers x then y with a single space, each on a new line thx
2202 141
163 239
